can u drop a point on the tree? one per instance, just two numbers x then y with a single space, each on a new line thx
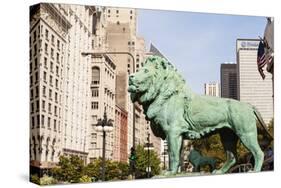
142 162
270 129
69 169
47 180
113 170
35 179
85 179
212 147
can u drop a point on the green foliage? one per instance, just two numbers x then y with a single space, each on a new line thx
271 130
85 179
142 162
35 179
72 170
113 170
212 147
47 180
69 169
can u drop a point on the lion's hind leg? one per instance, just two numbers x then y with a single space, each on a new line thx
250 141
229 141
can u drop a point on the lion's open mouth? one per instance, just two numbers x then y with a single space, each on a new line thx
132 88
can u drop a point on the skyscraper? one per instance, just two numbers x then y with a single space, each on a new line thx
251 87
228 81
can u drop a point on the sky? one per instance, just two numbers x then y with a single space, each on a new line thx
197 43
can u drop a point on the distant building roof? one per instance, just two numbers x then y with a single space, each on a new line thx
155 51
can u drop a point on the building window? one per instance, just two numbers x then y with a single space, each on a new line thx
45 76
52 53
55 125
93 144
31 80
58 45
51 80
118 23
95 75
95 105
53 39
42 121
117 11
46 48
128 65
44 91
131 17
47 34
35 64
32 107
58 58
56 97
32 122
35 50
36 77
43 105
37 106
94 135
56 110
131 12
31 93
30 67
45 63
52 66
38 121
57 70
34 36
50 108
50 94
95 92
36 91
49 122
57 83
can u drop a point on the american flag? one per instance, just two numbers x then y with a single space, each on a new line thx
263 58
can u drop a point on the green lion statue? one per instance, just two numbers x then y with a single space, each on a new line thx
176 113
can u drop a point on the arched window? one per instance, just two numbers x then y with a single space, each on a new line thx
95 75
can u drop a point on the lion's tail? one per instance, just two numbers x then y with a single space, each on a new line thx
263 126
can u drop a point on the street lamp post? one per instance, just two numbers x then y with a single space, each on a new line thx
148 147
133 58
104 125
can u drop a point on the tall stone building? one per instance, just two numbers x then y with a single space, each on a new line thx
58 82
251 87
77 80
229 81
102 100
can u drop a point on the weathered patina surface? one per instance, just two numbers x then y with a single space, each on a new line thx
176 113
198 161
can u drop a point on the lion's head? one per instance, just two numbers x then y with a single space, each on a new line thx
148 82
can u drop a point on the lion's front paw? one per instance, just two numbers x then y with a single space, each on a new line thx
217 172
169 173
